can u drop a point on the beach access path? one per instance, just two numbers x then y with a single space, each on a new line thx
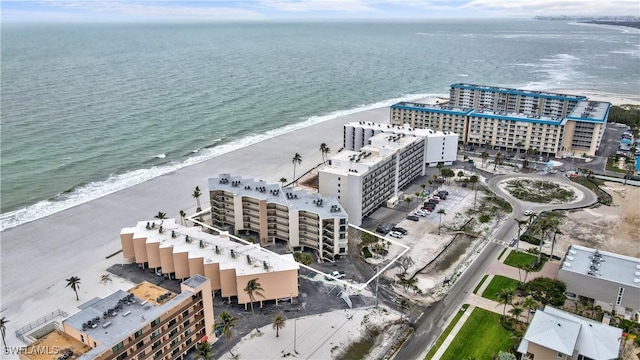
37 257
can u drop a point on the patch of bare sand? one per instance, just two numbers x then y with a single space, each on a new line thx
611 228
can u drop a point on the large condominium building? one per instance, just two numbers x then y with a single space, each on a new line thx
181 252
611 280
300 218
365 179
512 119
146 322
440 147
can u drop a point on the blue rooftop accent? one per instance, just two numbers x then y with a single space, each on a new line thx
512 91
430 109
560 121
638 163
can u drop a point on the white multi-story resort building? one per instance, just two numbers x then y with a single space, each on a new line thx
512 119
611 280
379 163
300 218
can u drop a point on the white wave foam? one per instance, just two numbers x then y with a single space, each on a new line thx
160 156
119 182
463 75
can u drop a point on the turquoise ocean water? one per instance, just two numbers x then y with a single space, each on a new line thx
88 109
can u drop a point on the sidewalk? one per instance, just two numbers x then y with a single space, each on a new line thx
452 335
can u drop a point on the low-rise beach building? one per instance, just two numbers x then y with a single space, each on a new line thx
611 280
145 322
181 252
302 219
370 177
555 334
512 119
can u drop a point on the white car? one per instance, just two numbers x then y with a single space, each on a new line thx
528 212
420 213
395 234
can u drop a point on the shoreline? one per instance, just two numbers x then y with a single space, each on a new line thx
39 255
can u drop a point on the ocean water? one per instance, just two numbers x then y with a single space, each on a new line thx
89 109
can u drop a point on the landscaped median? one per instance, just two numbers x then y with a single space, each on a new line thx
481 337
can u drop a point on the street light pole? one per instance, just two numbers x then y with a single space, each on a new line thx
377 279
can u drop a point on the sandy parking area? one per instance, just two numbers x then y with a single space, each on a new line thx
612 228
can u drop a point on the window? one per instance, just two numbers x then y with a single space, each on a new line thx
118 346
122 356
155 344
155 322
139 345
157 355
138 333
82 338
559 355
155 333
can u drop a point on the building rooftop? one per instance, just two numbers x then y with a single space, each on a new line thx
119 314
55 340
213 248
544 94
512 116
564 332
327 207
396 129
445 109
614 267
590 111
147 291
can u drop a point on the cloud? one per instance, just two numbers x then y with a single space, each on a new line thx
299 6
156 10
556 7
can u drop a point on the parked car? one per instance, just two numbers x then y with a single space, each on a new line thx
464 185
562 169
338 274
434 201
413 218
442 196
381 229
443 192
399 229
395 234
420 213
528 212
440 180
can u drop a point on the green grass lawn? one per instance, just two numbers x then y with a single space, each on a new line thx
482 337
519 258
498 283
446 332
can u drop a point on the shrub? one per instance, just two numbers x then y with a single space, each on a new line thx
484 218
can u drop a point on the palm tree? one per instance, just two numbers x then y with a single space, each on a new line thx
556 231
505 297
484 156
74 283
196 194
521 223
441 212
423 186
278 323
440 166
182 216
283 180
104 279
161 215
225 324
498 160
205 351
408 200
253 288
516 311
474 179
531 216
324 151
530 303
404 305
297 160
3 329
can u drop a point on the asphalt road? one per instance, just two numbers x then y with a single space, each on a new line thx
428 327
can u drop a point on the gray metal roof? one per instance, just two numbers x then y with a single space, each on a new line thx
119 326
614 267
564 332
588 110
327 208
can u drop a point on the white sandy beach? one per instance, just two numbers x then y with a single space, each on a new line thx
37 257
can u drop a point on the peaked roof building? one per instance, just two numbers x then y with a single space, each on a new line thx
555 334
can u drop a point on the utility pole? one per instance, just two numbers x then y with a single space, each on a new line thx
377 279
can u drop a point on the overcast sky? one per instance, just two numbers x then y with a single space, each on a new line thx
306 9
